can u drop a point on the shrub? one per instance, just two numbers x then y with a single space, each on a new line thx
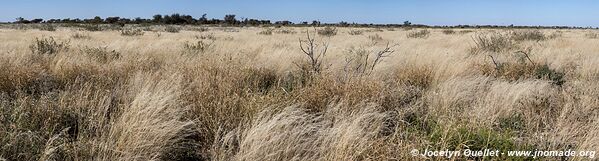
132 32
355 32
524 68
285 31
48 46
114 27
375 38
591 35
101 54
448 32
512 123
147 29
378 29
230 29
80 36
422 34
528 35
510 70
492 42
197 47
47 27
209 36
172 29
314 52
363 62
555 35
474 139
544 72
328 31
465 31
265 32
89 27
200 29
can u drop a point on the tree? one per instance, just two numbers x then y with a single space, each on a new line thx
157 18
203 19
187 19
343 24
38 20
112 20
97 19
407 23
315 23
230 19
21 20
138 20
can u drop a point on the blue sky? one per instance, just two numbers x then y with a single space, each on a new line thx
432 12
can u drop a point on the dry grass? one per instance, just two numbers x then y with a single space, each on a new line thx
244 96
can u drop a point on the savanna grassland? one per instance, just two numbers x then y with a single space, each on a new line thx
292 93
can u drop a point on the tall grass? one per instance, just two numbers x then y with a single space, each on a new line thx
141 99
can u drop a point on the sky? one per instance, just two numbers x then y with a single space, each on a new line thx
583 13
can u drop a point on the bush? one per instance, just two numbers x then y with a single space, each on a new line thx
132 32
285 31
172 29
360 61
375 38
465 31
591 35
48 46
315 53
475 139
328 31
544 72
512 123
355 32
378 29
197 47
101 54
265 32
230 29
448 32
555 35
80 36
47 27
89 27
492 42
209 36
528 35
422 34
522 69
200 29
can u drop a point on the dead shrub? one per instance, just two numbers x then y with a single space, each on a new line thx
591 35
284 31
132 32
355 32
360 61
48 46
492 42
101 54
421 34
199 47
328 31
80 36
265 32
448 32
172 29
528 35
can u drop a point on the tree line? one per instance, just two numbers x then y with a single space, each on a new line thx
173 19
232 20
